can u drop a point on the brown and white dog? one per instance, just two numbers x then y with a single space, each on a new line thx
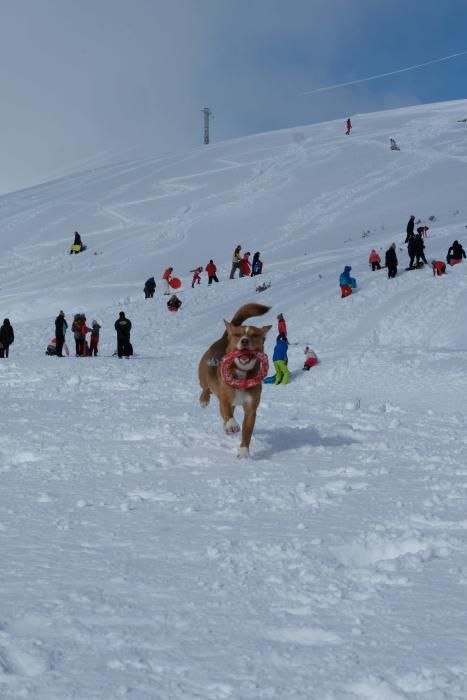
236 337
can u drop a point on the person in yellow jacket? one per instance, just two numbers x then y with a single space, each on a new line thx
236 260
77 245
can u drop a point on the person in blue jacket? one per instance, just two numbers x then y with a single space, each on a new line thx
280 360
347 283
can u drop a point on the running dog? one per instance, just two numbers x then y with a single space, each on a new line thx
236 337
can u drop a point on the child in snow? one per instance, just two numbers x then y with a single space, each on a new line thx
281 326
174 303
374 260
280 360
256 265
166 279
311 359
347 283
439 267
196 276
245 267
349 126
94 342
211 269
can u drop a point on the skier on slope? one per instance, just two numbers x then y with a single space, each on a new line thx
348 124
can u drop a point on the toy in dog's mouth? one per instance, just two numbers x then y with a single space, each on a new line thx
245 361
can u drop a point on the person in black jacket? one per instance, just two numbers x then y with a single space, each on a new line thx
410 228
455 252
60 329
418 248
123 328
7 337
391 260
149 288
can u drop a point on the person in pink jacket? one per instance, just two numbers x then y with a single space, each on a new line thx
374 260
281 325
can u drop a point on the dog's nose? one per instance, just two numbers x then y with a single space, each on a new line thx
244 342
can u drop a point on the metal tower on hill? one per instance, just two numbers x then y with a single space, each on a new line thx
207 115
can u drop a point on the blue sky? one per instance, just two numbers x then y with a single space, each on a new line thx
95 80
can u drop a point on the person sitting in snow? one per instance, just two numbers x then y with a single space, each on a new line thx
391 261
245 267
166 279
280 360
256 265
174 303
311 359
196 276
211 269
149 288
439 267
374 260
455 253
346 282
77 245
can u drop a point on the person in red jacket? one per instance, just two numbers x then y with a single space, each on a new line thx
349 126
281 325
245 267
374 260
211 269
439 267
166 279
196 276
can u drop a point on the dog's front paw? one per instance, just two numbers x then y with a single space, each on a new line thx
243 453
231 427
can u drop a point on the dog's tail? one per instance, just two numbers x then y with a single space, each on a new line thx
247 311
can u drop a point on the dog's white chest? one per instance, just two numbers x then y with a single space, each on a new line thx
241 397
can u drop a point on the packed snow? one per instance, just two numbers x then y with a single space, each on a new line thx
140 558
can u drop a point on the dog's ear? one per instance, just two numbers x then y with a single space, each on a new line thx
227 325
266 329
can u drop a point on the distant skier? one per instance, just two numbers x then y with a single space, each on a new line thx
280 359
391 261
7 337
374 260
346 282
123 328
174 303
196 276
236 260
439 267
410 228
166 279
393 145
349 126
455 253
311 359
149 288
245 267
94 342
256 265
211 269
61 327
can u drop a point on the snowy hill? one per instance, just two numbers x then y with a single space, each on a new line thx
141 559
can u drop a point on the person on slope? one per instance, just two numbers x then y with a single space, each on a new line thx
256 265
196 276
281 326
346 282
391 260
211 269
245 267
236 260
166 279
174 303
280 360
423 230
455 253
61 327
79 330
94 342
7 337
77 245
311 358
149 288
52 348
410 228
439 267
418 249
374 260
348 125
123 328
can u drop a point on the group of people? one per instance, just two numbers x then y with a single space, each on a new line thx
79 328
241 262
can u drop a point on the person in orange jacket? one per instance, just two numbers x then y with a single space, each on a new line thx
245 267
281 326
211 269
439 267
166 279
374 260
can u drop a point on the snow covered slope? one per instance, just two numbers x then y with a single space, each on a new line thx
140 558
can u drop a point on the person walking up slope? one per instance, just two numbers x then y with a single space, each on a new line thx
211 269
346 282
7 337
166 279
374 260
348 125
196 276
123 328
391 261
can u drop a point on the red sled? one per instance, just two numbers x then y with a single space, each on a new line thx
175 282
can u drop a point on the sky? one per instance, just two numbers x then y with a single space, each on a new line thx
97 81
